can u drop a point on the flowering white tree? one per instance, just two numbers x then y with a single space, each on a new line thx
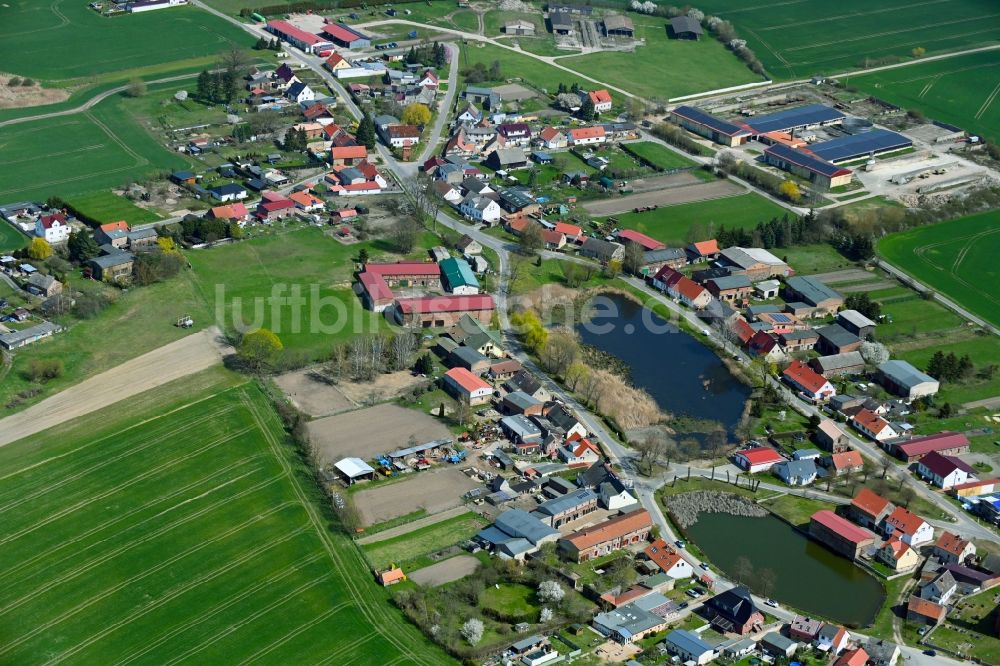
545 615
550 590
696 14
874 352
472 630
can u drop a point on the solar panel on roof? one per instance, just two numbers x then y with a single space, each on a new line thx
813 114
858 145
695 114
781 318
805 160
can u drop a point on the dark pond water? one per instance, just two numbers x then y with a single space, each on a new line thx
680 373
809 577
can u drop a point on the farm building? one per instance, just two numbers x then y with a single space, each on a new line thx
516 533
17 339
803 163
858 146
757 459
139 6
686 27
562 23
754 262
519 27
834 339
705 124
792 120
838 534
903 379
346 36
440 311
354 469
607 537
467 387
814 293
458 276
285 31
945 443
618 25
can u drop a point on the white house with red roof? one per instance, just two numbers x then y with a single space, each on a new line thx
668 559
757 459
601 99
552 138
808 382
428 80
911 528
585 136
681 287
953 549
944 471
578 453
873 426
54 228
467 387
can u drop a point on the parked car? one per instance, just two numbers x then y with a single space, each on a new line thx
679 543
682 605
771 602
704 566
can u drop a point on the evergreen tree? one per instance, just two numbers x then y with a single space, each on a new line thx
227 87
587 109
366 132
82 246
411 56
204 88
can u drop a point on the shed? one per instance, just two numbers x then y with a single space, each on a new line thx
354 469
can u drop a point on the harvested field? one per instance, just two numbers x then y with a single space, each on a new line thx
373 430
515 92
445 572
656 183
664 197
846 275
383 387
313 395
434 491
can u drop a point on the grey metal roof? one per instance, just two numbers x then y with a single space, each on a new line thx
15 338
112 260
688 642
521 400
521 524
904 374
777 640
681 24
666 254
802 116
714 123
731 282
839 361
837 335
855 318
565 503
811 290
468 356
520 425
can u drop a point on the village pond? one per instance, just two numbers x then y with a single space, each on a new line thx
681 374
807 576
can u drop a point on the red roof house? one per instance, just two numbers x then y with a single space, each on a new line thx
946 443
814 385
757 459
645 241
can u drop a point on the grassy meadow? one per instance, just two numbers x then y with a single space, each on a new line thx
183 529
105 207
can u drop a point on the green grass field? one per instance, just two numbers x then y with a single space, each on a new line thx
800 39
516 66
410 550
47 40
960 90
71 155
671 224
182 529
658 155
982 349
664 68
916 317
956 258
108 207
11 238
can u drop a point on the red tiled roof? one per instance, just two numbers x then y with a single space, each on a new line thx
925 608
869 502
348 152
598 96
897 546
403 131
289 30
847 460
760 455
549 133
855 657
432 304
121 225
610 529
870 421
744 331
904 521
48 220
335 60
422 268
804 376
642 239
340 32
951 543
568 229
662 554
272 206
587 132
706 247
375 286
552 237
230 212
762 342
842 527
940 441
468 381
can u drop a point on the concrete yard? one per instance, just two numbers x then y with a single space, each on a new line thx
371 431
676 195
450 570
433 490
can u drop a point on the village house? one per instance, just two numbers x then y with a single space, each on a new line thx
946 443
734 611
943 471
732 288
940 589
844 462
465 386
515 534
636 620
839 365
911 528
764 345
468 245
586 136
778 646
681 287
831 437
832 639
925 612
602 250
480 208
503 369
839 535
114 234
688 647
804 629
897 554
572 506
552 138
605 538
869 509
400 136
112 267
808 382
953 549
576 453
668 560
853 657
796 472
757 459
881 652
707 250
654 260
53 227
236 212
873 426
43 285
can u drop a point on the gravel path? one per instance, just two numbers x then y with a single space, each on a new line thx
173 361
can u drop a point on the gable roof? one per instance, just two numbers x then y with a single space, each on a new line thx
804 376
705 247
855 657
952 543
613 528
869 503
760 455
600 96
930 443
645 241
846 460
466 380
905 521
925 608
580 133
735 605
942 465
842 527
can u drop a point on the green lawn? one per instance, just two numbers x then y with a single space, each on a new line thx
658 156
71 155
956 90
806 38
183 528
510 600
672 224
982 349
971 629
551 271
915 317
809 259
235 278
796 510
68 40
664 68
517 66
107 207
410 550
11 238
463 19
957 258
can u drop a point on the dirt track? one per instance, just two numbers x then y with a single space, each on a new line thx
667 197
178 359
451 569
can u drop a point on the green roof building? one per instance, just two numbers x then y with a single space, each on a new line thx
458 276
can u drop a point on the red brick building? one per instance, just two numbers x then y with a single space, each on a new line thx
607 537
